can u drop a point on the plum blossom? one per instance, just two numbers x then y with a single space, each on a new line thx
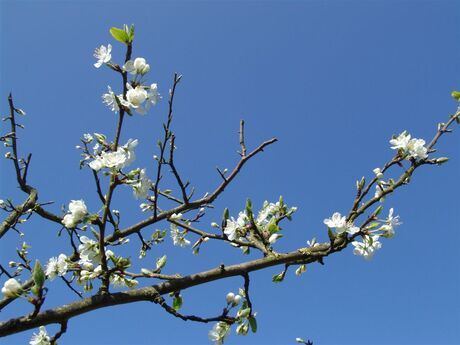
138 66
110 100
412 147
401 141
103 55
153 96
267 212
117 160
135 97
368 247
390 223
40 338
219 332
340 224
142 186
11 288
417 149
78 211
57 266
178 237
235 228
88 249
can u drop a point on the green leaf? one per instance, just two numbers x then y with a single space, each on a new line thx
378 210
456 95
161 262
253 324
38 275
372 226
131 33
120 35
248 207
177 302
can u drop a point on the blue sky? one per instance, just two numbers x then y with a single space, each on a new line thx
332 80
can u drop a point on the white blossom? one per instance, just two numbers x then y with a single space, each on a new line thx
11 288
88 249
401 141
153 96
78 208
390 223
219 332
340 224
234 228
129 150
2 203
142 186
103 55
113 160
110 100
368 247
78 211
117 160
266 213
178 237
336 221
57 266
97 164
412 147
135 97
40 338
417 149
138 66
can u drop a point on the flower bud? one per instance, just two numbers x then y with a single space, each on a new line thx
230 297
237 300
11 288
442 160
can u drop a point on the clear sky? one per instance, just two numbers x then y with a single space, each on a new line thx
332 80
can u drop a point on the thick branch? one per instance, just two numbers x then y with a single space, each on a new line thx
151 293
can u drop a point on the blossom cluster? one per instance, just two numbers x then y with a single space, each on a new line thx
266 221
115 160
77 211
90 267
244 318
138 96
370 241
412 148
